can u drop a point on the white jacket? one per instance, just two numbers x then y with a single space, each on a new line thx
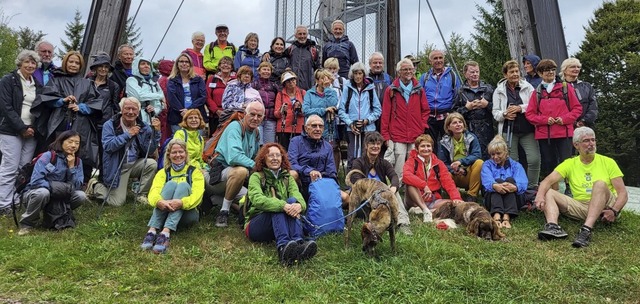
500 100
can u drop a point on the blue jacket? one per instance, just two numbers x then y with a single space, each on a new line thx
249 58
472 145
237 147
115 142
359 106
491 171
316 104
148 92
306 155
44 172
343 50
175 93
534 79
441 93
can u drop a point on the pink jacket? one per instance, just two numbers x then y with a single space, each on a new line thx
553 105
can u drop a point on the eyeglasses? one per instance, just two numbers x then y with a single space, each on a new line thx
549 71
316 126
274 155
406 70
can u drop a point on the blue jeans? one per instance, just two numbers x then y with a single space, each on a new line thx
166 219
268 226
268 132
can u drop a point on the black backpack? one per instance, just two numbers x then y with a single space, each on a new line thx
350 93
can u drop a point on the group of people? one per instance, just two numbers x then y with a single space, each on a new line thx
293 107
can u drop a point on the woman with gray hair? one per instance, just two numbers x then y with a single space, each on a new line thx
358 109
18 90
569 72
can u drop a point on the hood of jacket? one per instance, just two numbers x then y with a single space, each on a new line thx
368 84
534 59
135 71
165 66
245 49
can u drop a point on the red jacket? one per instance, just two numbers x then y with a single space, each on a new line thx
553 105
400 121
414 176
283 98
215 88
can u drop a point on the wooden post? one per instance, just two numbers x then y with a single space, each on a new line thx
519 29
105 26
393 36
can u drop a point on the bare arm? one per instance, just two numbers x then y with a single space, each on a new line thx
545 185
623 196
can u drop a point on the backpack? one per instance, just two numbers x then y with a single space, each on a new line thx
189 173
163 148
350 93
209 152
324 208
245 202
436 170
565 95
24 177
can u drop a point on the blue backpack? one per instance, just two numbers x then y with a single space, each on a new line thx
324 208
163 148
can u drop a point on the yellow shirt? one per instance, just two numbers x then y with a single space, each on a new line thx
582 176
459 149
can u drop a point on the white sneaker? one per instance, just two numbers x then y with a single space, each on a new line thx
427 217
415 210
142 200
89 191
24 231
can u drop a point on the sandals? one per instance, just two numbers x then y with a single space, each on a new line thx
506 224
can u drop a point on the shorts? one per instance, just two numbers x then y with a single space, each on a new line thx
578 210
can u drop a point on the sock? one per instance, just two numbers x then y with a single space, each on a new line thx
226 205
585 227
152 231
165 233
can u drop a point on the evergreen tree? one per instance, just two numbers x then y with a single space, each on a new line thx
610 57
75 33
132 36
490 47
27 38
459 49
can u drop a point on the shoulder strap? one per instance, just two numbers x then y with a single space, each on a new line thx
346 104
211 50
371 99
54 158
189 174
233 49
539 97
565 94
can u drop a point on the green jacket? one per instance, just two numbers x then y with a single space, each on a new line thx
262 199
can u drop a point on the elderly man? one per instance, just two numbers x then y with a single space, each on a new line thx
122 68
214 51
304 58
195 53
381 79
441 85
127 143
238 146
45 51
404 115
598 191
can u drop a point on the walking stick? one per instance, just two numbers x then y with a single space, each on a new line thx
106 197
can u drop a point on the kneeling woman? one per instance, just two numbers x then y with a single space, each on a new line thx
57 176
276 206
175 193
503 179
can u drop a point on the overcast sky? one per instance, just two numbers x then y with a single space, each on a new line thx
258 16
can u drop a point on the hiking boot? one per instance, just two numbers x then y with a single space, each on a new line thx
6 211
308 249
25 231
551 231
288 253
222 220
148 241
582 239
427 216
162 243
405 229
142 200
90 191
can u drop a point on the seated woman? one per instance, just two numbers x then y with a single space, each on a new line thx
57 176
190 132
376 167
460 151
503 179
425 175
175 193
276 206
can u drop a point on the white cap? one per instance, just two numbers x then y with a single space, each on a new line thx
286 76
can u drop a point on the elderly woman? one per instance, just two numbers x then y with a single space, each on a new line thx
474 103
175 193
142 86
276 206
460 151
322 100
277 58
425 176
71 102
57 177
216 85
510 101
375 167
553 109
503 179
248 54
186 91
289 109
341 48
359 109
195 53
239 92
569 72
268 90
18 91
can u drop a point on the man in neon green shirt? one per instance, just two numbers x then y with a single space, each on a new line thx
597 186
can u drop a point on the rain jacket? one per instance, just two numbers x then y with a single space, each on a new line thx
415 176
11 98
44 172
491 171
360 107
244 56
148 92
304 59
283 99
307 154
343 50
262 199
553 105
188 202
441 92
480 121
175 92
315 103
403 120
472 149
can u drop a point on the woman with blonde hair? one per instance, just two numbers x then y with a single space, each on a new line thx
186 91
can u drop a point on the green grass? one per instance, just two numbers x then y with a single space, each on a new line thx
100 262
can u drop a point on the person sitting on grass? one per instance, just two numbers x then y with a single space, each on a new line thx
597 186
276 206
175 193
503 179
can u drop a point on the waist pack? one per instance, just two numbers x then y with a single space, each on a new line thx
324 209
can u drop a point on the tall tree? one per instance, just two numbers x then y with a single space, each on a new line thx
610 57
74 33
459 49
8 46
27 38
490 45
132 36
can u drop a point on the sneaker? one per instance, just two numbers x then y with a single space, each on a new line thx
222 220
427 217
582 239
24 231
162 243
148 241
288 253
415 210
90 191
308 249
551 231
6 211
142 200
405 229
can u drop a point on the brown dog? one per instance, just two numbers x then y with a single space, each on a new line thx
477 219
381 211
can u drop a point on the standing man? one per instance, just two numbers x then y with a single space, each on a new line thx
43 73
441 86
197 40
304 57
214 51
404 115
597 186
381 80
122 68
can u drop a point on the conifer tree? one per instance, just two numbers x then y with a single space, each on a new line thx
74 32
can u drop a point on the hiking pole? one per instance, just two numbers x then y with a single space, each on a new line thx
294 122
146 156
509 132
106 197
283 110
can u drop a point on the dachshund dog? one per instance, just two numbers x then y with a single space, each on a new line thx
381 211
475 217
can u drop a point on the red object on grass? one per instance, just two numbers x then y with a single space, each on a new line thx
442 226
